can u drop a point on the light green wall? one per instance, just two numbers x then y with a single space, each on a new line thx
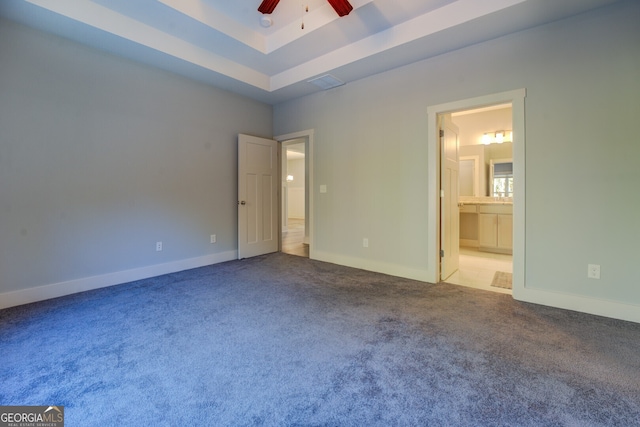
101 157
582 153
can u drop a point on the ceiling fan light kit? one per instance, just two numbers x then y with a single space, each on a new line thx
266 21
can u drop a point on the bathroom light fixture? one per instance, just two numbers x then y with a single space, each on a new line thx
497 137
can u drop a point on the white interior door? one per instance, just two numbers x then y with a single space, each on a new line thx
258 183
449 211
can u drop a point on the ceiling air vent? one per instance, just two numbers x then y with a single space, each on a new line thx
326 82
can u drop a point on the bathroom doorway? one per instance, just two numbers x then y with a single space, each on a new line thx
516 98
485 226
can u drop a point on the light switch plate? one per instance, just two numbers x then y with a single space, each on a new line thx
323 188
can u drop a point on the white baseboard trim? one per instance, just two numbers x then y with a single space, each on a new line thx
589 305
376 266
595 306
55 290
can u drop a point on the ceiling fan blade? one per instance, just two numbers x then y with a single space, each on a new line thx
342 7
267 6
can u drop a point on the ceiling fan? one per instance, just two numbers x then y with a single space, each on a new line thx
342 7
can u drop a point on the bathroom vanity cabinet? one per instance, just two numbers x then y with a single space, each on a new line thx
495 228
487 226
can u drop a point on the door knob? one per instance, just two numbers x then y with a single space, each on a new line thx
242 203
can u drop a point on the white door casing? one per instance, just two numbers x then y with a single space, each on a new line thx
308 136
517 100
258 183
449 211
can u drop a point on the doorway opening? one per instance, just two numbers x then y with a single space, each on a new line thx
295 239
477 219
296 196
484 198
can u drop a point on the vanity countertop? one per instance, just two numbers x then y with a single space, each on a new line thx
485 200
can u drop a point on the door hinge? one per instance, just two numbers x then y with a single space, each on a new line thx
441 133
441 253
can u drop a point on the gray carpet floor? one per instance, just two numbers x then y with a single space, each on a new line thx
280 340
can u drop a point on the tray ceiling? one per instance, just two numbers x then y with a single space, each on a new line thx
222 42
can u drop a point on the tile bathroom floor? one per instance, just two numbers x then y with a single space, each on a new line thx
476 269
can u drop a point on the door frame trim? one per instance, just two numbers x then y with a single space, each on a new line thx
516 98
308 134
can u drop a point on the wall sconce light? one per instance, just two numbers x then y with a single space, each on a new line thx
289 178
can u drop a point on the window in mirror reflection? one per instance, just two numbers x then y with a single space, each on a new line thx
501 178
503 186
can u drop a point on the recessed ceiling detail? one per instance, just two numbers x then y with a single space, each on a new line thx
223 43
286 20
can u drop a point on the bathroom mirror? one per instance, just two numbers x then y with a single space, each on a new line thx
499 178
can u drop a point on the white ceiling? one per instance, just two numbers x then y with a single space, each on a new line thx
221 42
